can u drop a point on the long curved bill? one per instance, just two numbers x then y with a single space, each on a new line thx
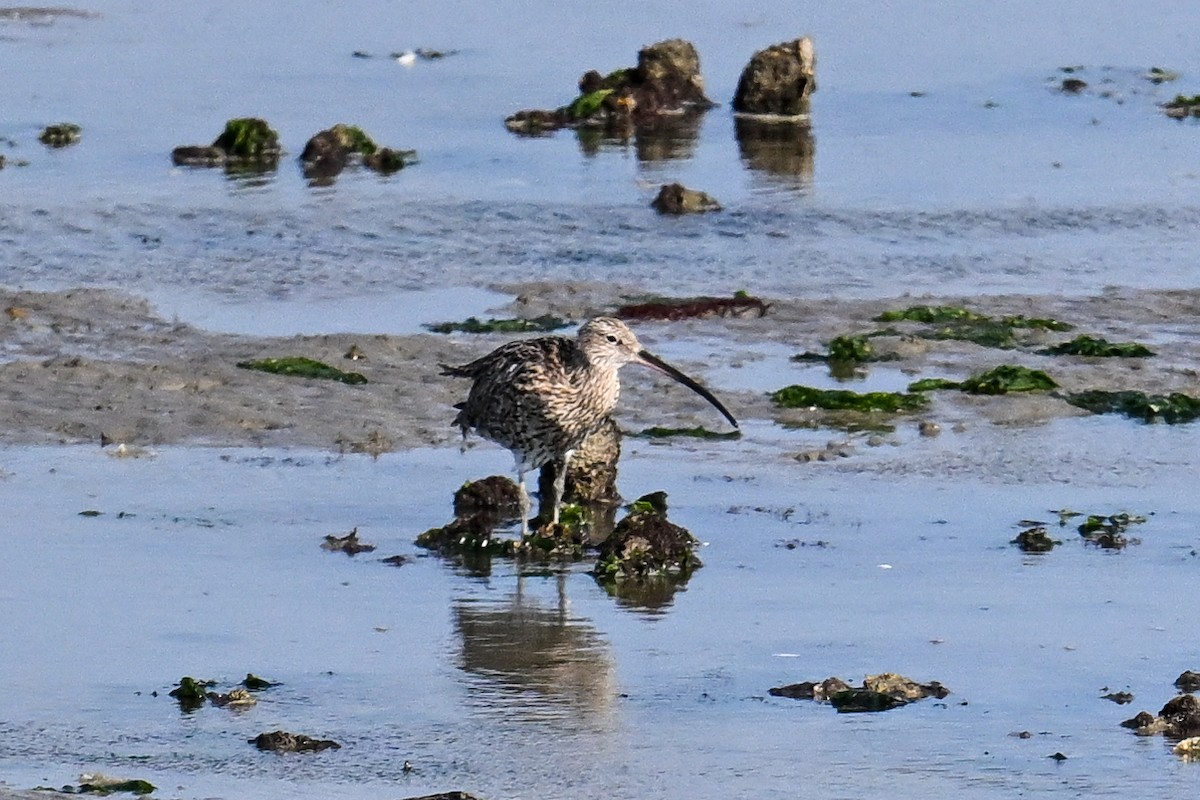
646 358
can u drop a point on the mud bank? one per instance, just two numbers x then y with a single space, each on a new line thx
93 365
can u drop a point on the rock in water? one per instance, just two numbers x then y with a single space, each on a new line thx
778 80
675 198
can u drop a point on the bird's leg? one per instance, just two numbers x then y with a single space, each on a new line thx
524 504
560 484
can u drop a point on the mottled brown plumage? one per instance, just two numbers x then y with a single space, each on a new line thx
541 397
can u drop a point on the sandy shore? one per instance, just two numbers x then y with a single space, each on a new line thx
87 364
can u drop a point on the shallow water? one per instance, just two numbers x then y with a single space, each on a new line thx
992 181
207 563
537 684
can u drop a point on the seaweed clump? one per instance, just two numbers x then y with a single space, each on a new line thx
797 396
962 324
1170 408
1097 347
246 143
303 367
998 380
1108 532
1035 540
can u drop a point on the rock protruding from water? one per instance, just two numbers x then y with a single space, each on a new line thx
880 692
675 198
1178 719
666 82
778 80
246 143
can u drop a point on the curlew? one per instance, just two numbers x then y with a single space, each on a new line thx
541 397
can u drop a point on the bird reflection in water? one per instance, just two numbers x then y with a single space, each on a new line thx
532 660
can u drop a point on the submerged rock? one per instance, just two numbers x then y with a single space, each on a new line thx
348 544
878 692
284 742
675 198
778 80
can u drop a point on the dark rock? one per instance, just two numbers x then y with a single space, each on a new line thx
348 544
646 545
61 135
496 494
1178 719
778 80
284 742
1035 540
387 160
1182 716
445 796
675 198
666 81
877 693
1073 85
1188 681
1120 698
1143 720
198 156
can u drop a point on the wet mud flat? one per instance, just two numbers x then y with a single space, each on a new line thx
893 554
89 365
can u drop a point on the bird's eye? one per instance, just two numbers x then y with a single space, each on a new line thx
612 338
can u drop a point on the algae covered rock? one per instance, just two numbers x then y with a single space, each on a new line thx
284 742
246 143
666 81
880 692
330 151
778 80
1170 408
646 545
62 134
303 367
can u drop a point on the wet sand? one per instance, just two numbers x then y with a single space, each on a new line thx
88 365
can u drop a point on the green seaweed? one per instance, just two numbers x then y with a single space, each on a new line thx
1109 531
998 380
1095 346
698 432
106 787
851 348
60 135
933 385
929 314
353 138
961 324
1170 408
544 323
249 138
303 367
588 104
191 693
1008 378
797 396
